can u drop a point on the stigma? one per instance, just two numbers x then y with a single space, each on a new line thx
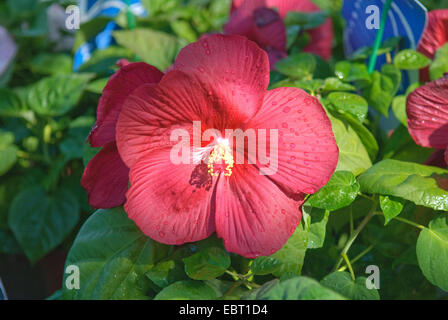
220 159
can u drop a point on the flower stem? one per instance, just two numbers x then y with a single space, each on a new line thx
359 256
355 235
347 261
410 222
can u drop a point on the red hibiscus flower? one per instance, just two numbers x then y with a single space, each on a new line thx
434 36
106 177
427 110
257 20
221 82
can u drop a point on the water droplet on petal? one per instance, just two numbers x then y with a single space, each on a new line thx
161 234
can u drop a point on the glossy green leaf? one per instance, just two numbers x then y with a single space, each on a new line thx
298 288
348 72
187 290
409 59
316 223
423 185
113 256
440 64
391 207
154 47
342 283
306 20
298 66
353 155
207 264
11 105
350 103
56 95
339 192
432 252
383 88
46 63
166 272
292 255
41 221
264 265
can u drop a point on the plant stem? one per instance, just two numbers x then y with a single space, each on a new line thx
233 287
379 36
410 222
347 261
359 256
355 235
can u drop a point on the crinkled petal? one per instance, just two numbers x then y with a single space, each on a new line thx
171 203
434 36
106 178
262 25
152 113
306 148
233 70
427 110
253 216
118 88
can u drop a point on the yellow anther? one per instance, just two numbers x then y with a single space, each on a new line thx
220 159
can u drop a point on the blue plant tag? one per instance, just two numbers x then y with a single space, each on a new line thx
90 9
406 18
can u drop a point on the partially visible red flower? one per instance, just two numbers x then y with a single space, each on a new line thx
427 110
106 177
222 82
434 36
257 20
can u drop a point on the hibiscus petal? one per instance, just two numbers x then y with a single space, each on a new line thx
427 110
232 69
253 216
171 203
434 36
106 178
118 88
307 150
152 113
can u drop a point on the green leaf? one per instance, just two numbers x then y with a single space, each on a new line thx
166 273
316 221
334 84
154 47
51 63
56 95
349 72
423 185
40 221
409 59
298 288
264 265
11 105
432 252
383 88
339 192
350 103
292 254
440 64
97 86
104 61
207 264
113 256
367 138
187 290
184 30
391 207
8 152
399 109
353 155
342 283
298 66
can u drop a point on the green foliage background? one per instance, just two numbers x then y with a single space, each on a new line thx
382 206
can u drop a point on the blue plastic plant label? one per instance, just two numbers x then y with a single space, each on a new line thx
406 18
90 9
